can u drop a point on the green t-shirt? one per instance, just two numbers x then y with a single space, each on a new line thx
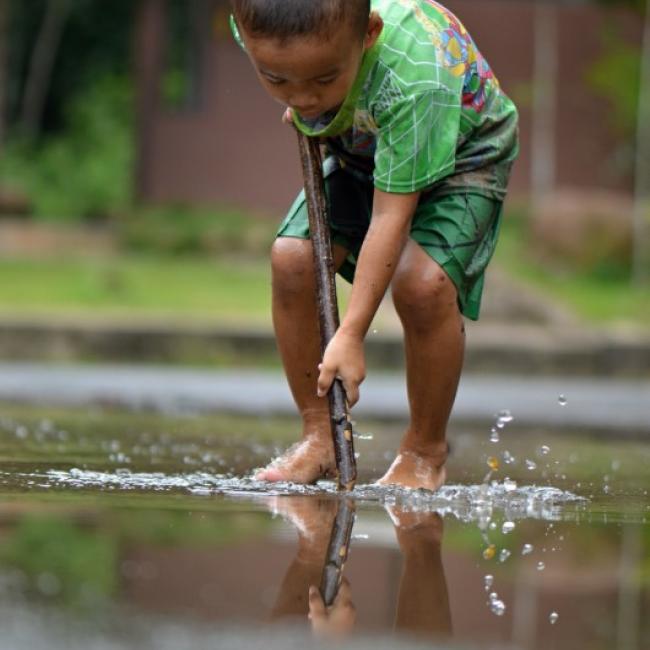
425 112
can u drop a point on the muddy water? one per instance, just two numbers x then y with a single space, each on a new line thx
129 530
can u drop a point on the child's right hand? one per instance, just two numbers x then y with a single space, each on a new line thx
337 621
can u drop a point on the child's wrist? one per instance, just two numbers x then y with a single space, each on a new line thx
353 330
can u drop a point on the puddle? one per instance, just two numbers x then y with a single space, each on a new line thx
124 531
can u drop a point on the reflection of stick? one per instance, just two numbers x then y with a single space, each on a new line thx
327 305
337 551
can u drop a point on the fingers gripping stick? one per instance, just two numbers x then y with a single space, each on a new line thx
312 170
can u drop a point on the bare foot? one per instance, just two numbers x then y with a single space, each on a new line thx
416 470
305 462
414 525
311 516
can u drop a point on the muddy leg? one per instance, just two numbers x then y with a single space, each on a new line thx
434 336
295 319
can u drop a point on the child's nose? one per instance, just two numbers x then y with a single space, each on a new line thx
303 101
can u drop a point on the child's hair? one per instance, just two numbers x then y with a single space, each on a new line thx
283 19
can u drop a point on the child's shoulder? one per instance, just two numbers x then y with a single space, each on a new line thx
423 44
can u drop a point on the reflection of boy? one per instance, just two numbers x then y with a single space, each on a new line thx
421 140
423 600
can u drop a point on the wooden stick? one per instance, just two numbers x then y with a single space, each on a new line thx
328 313
337 551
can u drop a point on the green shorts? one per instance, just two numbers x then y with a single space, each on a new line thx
457 230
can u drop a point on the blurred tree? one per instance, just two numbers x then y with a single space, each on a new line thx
641 259
96 44
41 65
4 31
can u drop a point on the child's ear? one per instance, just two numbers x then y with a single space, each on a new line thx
375 27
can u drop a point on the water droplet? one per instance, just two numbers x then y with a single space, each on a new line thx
530 464
508 458
493 525
364 436
553 617
360 536
544 449
504 555
489 581
494 435
489 552
509 485
21 432
497 606
616 465
505 416
541 566
375 331
606 489
527 548
562 400
508 527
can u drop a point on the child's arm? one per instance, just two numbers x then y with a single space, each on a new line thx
380 253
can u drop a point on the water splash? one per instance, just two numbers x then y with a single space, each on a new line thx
466 502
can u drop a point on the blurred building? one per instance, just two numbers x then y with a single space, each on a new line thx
208 134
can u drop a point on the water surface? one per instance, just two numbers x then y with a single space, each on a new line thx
132 530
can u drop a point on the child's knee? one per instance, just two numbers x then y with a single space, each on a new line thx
424 297
292 264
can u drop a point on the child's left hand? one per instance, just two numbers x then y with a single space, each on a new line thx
344 359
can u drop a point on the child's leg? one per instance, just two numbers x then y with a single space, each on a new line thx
434 333
295 319
423 598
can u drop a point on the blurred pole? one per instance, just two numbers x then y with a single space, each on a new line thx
641 213
630 597
41 65
544 102
148 52
4 72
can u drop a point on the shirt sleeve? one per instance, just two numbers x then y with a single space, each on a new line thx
416 141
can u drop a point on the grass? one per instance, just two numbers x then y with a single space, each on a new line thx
604 295
138 285
198 282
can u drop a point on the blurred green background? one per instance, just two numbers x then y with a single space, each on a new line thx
74 237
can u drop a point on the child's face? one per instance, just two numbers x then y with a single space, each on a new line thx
310 74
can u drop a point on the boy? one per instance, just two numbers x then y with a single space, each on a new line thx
420 143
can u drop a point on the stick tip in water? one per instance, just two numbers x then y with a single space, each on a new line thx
347 487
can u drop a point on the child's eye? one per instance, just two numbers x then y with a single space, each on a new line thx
325 81
276 81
